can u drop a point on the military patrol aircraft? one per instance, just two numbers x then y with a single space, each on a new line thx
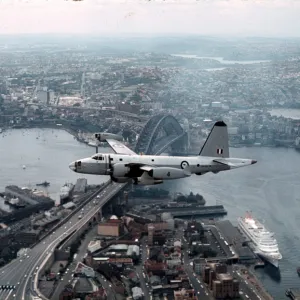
125 165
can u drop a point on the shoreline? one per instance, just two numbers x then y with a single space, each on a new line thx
74 133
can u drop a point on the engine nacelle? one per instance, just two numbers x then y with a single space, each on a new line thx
168 173
120 179
103 136
142 181
120 170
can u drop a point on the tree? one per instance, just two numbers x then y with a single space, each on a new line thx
135 258
122 95
47 272
191 197
199 197
2 262
181 198
136 97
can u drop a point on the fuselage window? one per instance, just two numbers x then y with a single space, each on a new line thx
198 165
121 159
111 159
152 159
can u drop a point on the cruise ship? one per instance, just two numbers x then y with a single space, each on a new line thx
65 191
263 241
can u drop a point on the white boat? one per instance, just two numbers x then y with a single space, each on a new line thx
262 241
65 191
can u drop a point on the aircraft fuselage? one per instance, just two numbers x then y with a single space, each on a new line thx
101 164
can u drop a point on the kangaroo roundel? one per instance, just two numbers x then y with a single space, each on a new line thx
184 164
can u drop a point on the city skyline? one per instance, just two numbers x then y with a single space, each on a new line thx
260 18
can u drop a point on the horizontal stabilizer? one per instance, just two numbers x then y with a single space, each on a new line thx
235 162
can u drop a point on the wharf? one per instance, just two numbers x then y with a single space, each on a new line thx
293 293
193 211
236 240
34 202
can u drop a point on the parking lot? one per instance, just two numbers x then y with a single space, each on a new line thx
218 242
215 245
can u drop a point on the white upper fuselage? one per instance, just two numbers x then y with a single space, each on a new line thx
194 164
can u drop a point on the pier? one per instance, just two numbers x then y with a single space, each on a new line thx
190 211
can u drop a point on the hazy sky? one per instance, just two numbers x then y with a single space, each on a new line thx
218 17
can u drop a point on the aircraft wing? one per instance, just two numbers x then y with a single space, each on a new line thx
119 148
146 168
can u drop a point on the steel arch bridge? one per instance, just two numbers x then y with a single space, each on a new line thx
160 133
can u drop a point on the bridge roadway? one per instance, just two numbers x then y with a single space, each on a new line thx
21 271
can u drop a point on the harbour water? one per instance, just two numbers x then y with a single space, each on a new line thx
222 60
270 189
46 154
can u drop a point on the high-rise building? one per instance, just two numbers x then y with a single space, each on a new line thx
151 230
44 95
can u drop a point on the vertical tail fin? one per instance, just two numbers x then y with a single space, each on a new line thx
216 144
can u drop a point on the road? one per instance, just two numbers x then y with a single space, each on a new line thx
67 277
246 288
21 272
200 289
140 269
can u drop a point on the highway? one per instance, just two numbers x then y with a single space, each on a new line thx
67 277
21 272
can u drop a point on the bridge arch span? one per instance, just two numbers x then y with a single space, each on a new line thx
160 132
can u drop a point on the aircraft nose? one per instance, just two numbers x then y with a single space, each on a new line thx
72 166
253 162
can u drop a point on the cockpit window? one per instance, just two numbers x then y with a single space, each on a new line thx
97 157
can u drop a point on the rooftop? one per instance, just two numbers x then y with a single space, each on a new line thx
230 233
224 276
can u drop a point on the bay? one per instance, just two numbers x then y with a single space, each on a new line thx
270 188
46 153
